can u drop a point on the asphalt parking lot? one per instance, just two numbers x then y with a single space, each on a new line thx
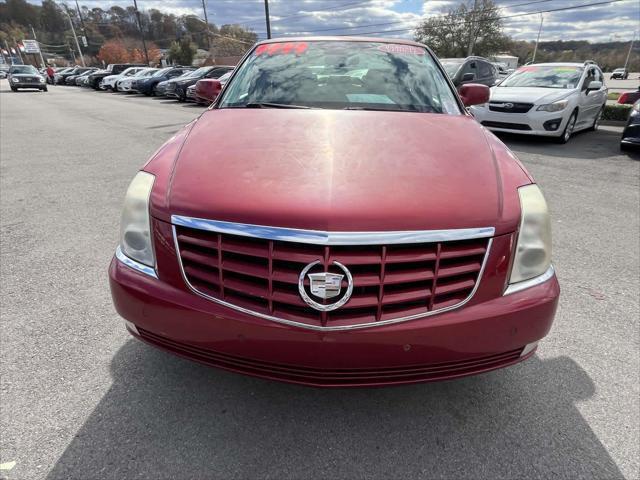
80 399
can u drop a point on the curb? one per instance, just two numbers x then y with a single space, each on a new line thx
613 123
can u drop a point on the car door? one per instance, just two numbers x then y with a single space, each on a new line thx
590 101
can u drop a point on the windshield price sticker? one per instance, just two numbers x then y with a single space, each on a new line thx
283 48
401 49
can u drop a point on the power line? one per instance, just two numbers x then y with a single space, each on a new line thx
311 12
575 7
397 22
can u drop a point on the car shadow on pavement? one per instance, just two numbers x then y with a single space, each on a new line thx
598 145
165 417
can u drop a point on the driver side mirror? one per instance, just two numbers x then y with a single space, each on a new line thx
594 85
474 94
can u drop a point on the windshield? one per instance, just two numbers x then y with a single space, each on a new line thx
23 69
341 75
225 77
451 65
160 73
545 77
146 72
198 73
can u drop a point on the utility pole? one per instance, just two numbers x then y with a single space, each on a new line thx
206 20
626 62
84 30
266 15
472 29
535 49
73 30
39 49
144 44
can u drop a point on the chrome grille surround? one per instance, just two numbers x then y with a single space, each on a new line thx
326 239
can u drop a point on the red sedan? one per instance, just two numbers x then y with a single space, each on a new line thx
337 218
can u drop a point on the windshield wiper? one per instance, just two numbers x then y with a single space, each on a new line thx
382 109
272 105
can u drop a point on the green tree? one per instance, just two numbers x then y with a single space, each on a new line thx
182 51
464 28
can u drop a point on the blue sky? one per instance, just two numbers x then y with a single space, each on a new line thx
615 21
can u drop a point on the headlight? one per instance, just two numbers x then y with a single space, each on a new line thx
42 80
533 248
554 107
15 80
135 228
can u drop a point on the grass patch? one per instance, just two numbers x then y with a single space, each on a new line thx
613 96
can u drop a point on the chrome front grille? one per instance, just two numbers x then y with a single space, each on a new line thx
507 107
391 281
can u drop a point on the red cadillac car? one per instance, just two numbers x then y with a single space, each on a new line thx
338 218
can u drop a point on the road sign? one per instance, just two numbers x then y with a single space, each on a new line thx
31 46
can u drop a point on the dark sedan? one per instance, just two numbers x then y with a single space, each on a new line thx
26 76
148 86
631 133
178 88
71 79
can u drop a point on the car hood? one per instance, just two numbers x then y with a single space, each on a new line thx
341 171
535 95
25 75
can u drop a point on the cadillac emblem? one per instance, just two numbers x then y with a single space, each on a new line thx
325 285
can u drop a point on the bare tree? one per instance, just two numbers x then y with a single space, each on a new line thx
450 35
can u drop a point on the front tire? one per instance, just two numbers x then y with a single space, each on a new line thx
45 89
14 89
568 129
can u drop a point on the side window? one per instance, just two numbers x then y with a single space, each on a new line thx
591 76
485 70
599 77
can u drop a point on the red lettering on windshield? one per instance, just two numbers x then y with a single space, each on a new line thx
282 48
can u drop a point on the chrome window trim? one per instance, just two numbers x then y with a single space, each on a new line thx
140 267
318 237
532 282
327 328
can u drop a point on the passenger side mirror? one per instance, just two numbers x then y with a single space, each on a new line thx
468 77
474 94
594 85
208 89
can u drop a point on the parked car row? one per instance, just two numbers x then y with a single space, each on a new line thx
200 85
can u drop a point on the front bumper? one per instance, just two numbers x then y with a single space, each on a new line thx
23 84
533 120
481 336
631 135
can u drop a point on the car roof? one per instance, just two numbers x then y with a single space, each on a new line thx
400 41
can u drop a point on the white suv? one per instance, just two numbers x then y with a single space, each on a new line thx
549 99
